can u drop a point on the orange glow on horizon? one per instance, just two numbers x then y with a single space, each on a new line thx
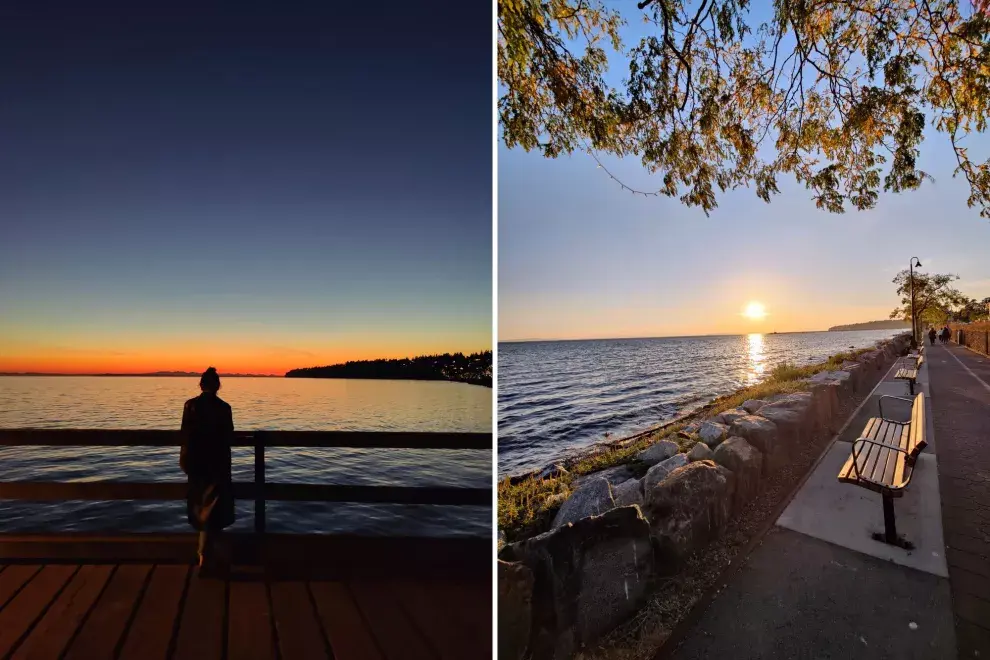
226 362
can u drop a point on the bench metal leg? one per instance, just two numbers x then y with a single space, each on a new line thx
911 386
889 526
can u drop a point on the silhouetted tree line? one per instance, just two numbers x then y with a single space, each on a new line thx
475 369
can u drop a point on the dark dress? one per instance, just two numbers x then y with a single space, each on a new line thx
207 430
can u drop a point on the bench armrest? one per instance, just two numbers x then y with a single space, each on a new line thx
855 453
889 396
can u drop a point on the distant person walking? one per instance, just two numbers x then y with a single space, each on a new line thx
931 336
207 431
946 334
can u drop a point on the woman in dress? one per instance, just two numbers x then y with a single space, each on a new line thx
207 431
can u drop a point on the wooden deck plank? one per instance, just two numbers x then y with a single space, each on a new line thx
30 603
393 630
453 642
51 635
12 579
349 635
299 632
469 603
151 632
249 626
201 631
104 628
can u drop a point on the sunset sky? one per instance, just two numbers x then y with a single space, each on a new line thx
580 258
252 191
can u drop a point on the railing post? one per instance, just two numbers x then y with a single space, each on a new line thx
259 482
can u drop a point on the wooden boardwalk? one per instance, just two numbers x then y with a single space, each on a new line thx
149 611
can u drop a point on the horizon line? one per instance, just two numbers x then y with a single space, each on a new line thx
723 334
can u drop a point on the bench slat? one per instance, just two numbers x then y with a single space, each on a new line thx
889 434
869 466
890 474
891 438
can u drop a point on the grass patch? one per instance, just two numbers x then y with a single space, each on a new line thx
527 508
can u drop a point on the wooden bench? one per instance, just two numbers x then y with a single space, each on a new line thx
883 460
910 373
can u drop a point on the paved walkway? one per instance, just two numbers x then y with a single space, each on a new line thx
819 586
960 385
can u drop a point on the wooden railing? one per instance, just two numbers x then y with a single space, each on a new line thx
260 490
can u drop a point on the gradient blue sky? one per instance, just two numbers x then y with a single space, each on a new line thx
580 258
258 189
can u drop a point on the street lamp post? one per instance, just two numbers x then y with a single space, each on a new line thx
914 321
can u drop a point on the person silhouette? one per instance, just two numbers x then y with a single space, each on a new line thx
931 336
207 430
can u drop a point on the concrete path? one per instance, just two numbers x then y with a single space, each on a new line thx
819 586
960 385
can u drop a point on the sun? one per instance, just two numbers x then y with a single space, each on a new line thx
755 311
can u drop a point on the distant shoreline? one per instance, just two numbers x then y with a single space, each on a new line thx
730 334
466 381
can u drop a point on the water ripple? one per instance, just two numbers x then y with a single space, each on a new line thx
258 403
554 397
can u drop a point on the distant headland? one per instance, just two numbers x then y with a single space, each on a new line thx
889 324
474 369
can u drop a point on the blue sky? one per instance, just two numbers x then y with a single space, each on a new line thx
271 187
580 258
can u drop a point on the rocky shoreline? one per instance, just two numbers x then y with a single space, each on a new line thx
618 534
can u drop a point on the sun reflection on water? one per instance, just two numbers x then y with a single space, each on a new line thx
757 359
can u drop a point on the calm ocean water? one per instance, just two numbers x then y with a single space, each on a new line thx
258 403
558 396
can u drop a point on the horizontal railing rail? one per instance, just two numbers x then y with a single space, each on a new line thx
261 491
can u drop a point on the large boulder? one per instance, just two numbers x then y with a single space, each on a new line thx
658 452
827 400
592 498
628 492
762 434
691 428
614 475
515 611
809 406
700 452
752 405
803 404
712 433
790 432
589 577
729 416
839 377
746 464
856 375
659 472
688 509
868 360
